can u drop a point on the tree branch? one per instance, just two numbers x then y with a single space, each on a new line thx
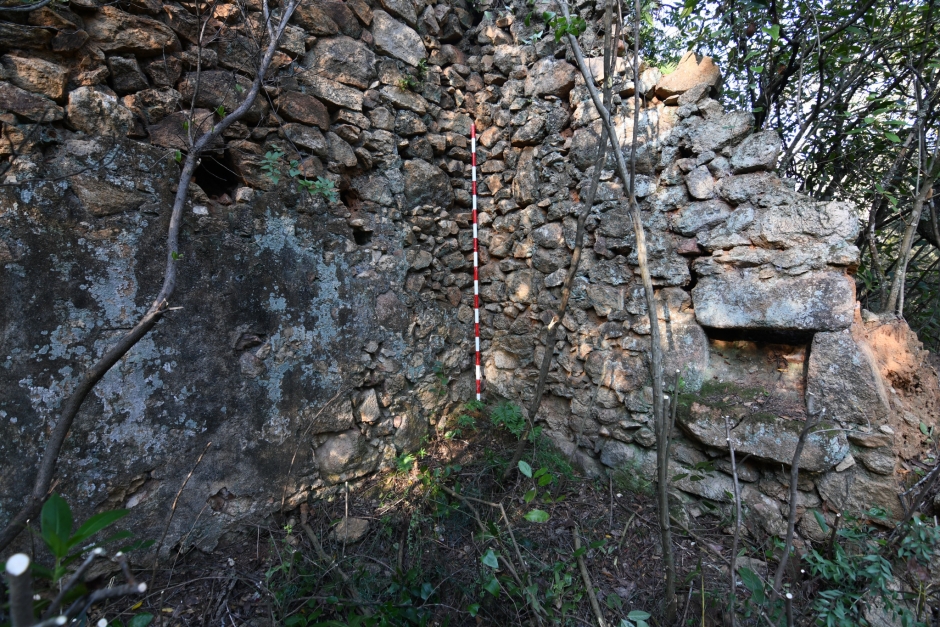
94 374
572 267
791 518
29 7
628 176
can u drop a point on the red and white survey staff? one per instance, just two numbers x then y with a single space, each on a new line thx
476 257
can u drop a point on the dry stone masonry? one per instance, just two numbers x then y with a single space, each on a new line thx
317 340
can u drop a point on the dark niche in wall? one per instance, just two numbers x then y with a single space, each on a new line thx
216 177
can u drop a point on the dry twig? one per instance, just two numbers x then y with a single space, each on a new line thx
732 590
166 528
330 562
586 576
555 322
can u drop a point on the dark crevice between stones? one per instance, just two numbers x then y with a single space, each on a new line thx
761 336
756 372
349 196
361 235
215 176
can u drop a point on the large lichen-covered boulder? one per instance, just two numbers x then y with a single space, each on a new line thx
397 40
768 437
739 298
778 260
257 373
842 381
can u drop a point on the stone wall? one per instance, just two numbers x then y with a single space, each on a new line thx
315 339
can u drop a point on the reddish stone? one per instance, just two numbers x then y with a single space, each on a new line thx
298 107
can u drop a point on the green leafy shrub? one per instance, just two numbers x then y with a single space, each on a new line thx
509 416
56 528
853 570
319 187
66 544
408 83
271 165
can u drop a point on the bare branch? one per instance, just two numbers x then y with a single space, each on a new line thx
586 577
29 7
21 590
166 528
83 605
791 518
160 305
72 582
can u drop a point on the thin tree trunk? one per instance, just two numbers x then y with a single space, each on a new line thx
628 175
896 298
791 517
160 306
588 203
733 588
873 220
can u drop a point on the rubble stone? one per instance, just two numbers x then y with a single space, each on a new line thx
770 438
842 380
693 69
95 112
31 106
304 108
550 77
757 152
36 75
396 39
426 184
741 299
113 30
345 60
